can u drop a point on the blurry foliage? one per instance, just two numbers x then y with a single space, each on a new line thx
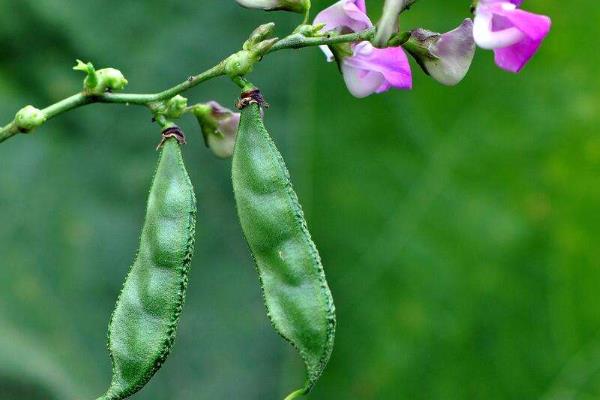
459 227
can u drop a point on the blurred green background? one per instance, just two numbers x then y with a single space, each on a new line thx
459 227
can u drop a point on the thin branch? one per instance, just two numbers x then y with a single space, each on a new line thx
408 3
297 41
294 41
145 99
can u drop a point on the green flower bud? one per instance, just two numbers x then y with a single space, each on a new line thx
258 35
175 107
100 81
299 6
29 118
111 79
172 108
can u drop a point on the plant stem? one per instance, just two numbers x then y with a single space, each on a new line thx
298 41
296 394
408 3
80 99
293 41
144 99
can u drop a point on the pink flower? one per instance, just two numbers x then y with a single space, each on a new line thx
514 35
219 127
366 69
445 57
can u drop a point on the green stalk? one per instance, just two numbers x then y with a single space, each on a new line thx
293 41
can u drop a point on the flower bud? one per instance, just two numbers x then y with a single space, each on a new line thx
29 118
111 79
258 35
299 6
102 80
219 127
446 57
175 106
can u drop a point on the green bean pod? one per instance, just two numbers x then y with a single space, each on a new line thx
144 321
298 300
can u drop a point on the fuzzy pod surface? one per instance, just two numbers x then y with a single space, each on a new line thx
144 321
298 300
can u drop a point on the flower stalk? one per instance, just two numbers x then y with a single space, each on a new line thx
293 41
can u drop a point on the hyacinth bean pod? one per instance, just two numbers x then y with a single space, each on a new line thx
144 321
297 297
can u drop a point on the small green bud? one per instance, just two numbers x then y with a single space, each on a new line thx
29 118
111 79
175 107
100 81
258 35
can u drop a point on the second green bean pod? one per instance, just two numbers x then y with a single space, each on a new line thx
297 297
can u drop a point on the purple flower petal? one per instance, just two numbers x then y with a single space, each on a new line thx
453 52
372 70
345 16
515 2
535 26
369 70
513 34
219 127
362 83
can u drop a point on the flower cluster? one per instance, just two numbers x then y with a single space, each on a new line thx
366 69
499 25
381 63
